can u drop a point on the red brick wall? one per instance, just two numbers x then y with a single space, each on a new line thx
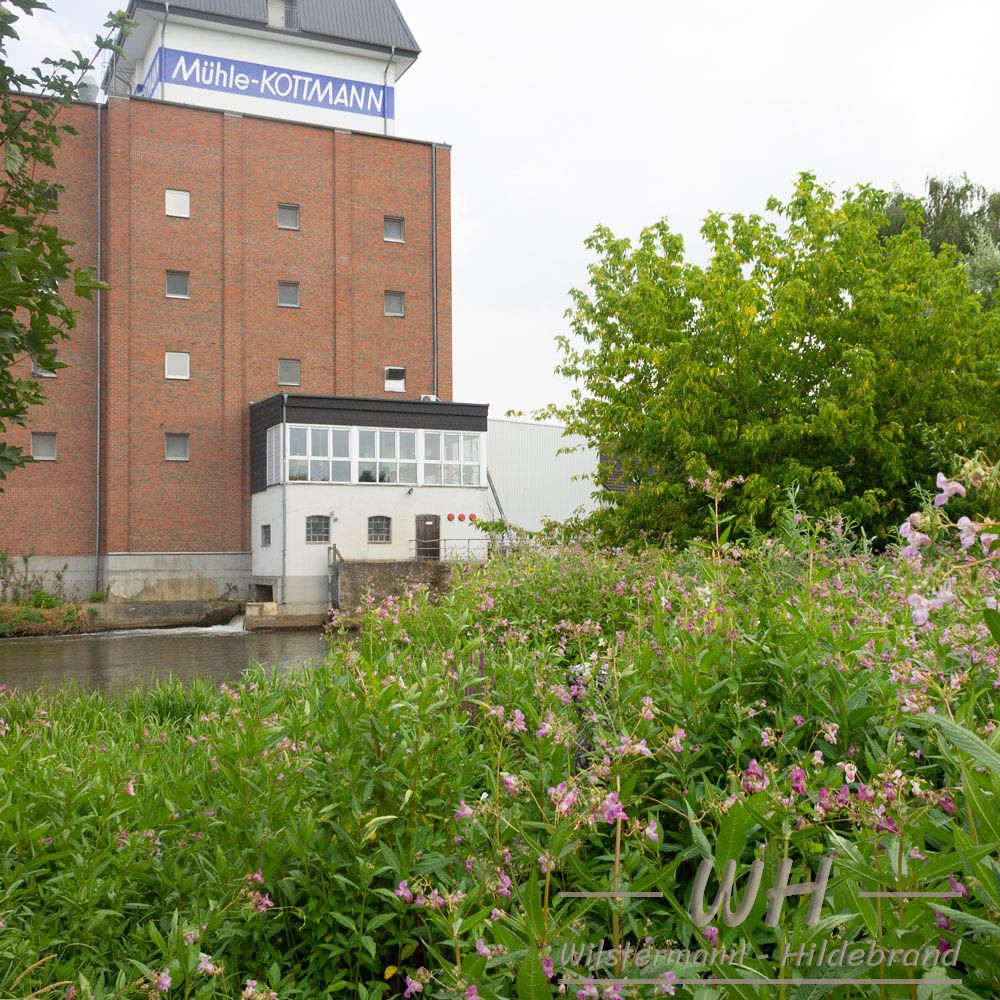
237 170
48 507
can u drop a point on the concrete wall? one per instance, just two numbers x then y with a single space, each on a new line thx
78 574
177 576
381 579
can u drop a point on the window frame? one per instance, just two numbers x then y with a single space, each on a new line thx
54 436
298 294
167 355
378 461
185 214
383 520
38 372
395 384
402 304
461 464
386 219
290 361
187 278
309 458
176 435
314 520
265 536
288 205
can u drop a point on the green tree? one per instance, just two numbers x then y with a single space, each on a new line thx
36 265
961 214
812 352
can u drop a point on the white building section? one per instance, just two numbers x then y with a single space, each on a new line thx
290 59
539 473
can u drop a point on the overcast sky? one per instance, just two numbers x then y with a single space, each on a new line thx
568 113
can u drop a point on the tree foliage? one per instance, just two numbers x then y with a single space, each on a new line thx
812 352
961 214
36 265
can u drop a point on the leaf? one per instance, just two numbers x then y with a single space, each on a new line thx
532 983
993 623
967 741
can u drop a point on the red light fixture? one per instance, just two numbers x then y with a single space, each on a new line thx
451 517
461 517
472 517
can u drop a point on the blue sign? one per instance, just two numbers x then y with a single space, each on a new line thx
270 83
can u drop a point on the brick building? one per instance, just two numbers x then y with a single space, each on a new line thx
263 233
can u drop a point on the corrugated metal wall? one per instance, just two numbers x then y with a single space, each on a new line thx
532 479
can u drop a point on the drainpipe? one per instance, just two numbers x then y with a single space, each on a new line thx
99 386
385 92
284 496
434 256
159 55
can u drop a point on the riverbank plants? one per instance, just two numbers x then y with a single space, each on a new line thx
404 819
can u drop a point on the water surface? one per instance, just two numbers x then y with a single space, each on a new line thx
119 661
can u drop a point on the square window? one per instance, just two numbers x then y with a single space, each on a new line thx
379 530
48 196
395 379
177 365
288 217
394 230
288 294
265 536
37 371
289 372
178 284
395 304
318 529
43 447
178 204
178 448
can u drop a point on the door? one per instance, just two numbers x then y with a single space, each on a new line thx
429 537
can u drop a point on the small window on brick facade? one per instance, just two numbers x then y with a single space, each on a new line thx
178 284
395 304
379 530
178 204
37 371
394 229
289 372
265 536
178 448
48 196
318 529
395 379
43 447
288 217
289 295
177 365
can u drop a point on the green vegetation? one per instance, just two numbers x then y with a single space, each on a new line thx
34 259
819 350
403 819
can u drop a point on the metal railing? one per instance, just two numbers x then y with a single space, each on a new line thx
450 549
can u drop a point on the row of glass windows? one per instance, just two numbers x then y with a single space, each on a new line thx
289 294
318 530
368 455
45 447
177 205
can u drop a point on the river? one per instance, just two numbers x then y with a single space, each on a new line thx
120 661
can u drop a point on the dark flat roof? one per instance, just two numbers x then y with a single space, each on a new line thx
359 411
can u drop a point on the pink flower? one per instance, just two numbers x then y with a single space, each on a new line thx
412 988
464 812
967 531
207 966
957 888
711 933
511 785
987 539
754 779
798 781
482 950
949 488
651 833
472 993
675 741
262 903
404 892
916 540
130 787
255 878
666 984
161 984
548 967
612 809
798 720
